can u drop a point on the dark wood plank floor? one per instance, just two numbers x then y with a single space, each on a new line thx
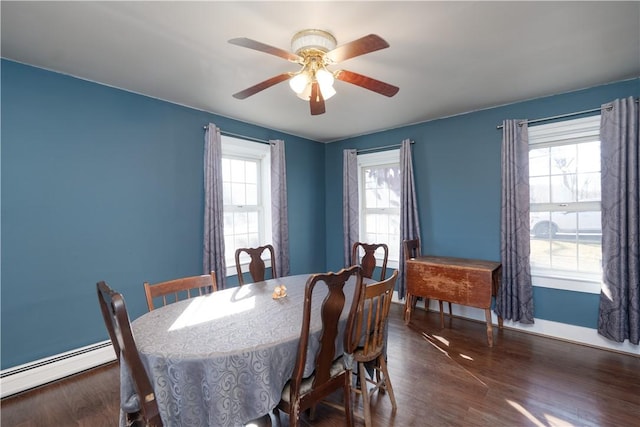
442 377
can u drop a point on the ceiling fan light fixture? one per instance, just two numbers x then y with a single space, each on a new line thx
327 92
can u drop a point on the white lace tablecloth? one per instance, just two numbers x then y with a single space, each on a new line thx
224 358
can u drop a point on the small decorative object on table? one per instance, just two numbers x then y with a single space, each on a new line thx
279 291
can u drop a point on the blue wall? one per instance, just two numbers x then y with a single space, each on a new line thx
103 184
457 176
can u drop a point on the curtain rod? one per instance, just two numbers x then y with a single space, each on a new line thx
250 138
364 150
544 119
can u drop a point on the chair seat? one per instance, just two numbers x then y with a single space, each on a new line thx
360 356
337 368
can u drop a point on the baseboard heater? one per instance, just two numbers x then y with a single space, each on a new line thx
40 372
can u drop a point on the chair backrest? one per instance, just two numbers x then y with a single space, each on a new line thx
117 321
368 261
411 248
331 310
368 319
174 290
257 268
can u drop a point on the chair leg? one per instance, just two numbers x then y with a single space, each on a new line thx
348 407
294 416
387 382
366 404
450 314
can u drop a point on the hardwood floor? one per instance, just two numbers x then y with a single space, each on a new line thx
441 377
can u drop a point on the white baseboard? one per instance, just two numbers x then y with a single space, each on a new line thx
557 330
43 371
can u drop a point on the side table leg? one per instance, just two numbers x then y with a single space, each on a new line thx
407 308
487 313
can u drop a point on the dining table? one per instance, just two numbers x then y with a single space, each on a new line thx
223 359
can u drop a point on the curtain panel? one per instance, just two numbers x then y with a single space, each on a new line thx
213 239
350 208
279 210
409 218
515 298
619 314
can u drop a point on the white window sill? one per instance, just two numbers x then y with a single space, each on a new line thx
586 285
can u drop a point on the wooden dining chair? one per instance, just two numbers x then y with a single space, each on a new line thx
412 250
330 373
367 338
257 268
144 410
177 289
368 262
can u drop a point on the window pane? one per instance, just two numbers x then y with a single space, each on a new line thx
564 255
539 162
238 196
251 171
371 224
589 187
226 193
563 188
589 157
540 256
251 194
539 190
228 224
563 159
252 222
226 170
590 254
237 170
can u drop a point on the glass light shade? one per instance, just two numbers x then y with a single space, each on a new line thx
324 77
299 82
305 94
327 91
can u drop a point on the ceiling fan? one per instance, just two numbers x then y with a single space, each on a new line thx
314 50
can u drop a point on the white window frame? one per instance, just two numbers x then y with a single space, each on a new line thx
381 158
567 132
236 148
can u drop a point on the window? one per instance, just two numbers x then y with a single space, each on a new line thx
379 198
565 227
246 196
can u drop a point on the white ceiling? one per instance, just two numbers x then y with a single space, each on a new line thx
447 57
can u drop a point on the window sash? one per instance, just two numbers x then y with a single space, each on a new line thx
580 251
390 206
259 155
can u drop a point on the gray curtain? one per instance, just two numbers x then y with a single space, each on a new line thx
515 298
409 219
279 218
619 316
350 208
213 242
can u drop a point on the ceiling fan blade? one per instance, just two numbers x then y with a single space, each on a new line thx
255 45
316 102
363 45
366 82
262 86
